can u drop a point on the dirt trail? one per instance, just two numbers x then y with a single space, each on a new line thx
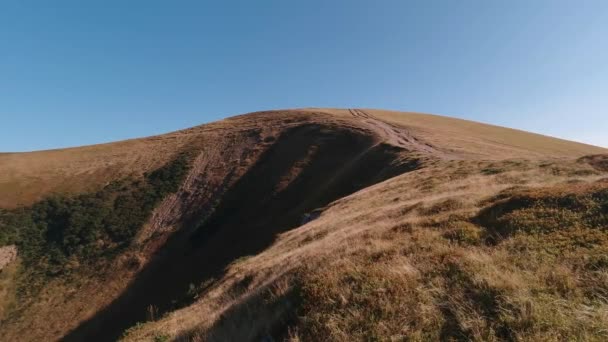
393 134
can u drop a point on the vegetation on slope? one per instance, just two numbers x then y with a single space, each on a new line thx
448 252
61 234
434 254
598 161
562 210
533 266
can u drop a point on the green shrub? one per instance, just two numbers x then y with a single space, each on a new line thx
86 227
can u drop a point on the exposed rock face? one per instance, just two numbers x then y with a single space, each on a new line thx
7 255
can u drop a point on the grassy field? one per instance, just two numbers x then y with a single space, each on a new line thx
442 253
337 225
481 141
26 177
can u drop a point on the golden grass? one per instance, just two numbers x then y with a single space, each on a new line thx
403 259
474 139
26 177
400 261
7 288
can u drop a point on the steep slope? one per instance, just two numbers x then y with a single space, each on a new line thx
267 162
26 177
234 252
418 257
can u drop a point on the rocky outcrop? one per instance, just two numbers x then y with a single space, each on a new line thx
7 255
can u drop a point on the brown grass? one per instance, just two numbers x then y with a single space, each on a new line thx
478 140
537 284
474 244
598 161
8 275
26 177
376 269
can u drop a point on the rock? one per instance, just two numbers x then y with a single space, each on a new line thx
7 255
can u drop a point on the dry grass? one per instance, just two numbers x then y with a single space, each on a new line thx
7 288
543 284
473 139
26 177
399 262
416 257
598 161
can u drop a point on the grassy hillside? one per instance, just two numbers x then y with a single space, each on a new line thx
457 253
26 177
309 224
476 140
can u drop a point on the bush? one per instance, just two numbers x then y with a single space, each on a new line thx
84 228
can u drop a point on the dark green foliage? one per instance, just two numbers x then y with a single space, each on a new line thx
7 221
60 229
168 178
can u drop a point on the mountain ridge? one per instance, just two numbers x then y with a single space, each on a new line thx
38 166
272 212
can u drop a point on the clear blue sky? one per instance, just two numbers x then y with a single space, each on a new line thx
83 72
